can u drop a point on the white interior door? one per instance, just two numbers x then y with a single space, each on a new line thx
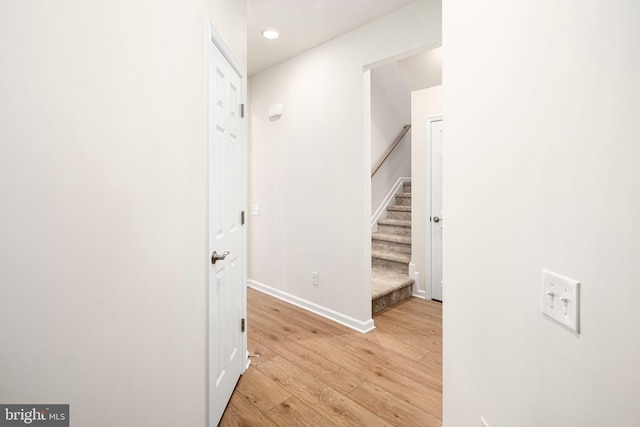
227 295
436 209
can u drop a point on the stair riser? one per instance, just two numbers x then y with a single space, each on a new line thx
388 300
391 246
399 215
394 229
403 201
399 267
407 187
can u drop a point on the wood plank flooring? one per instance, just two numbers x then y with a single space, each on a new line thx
314 372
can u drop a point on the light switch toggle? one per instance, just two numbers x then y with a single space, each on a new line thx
552 296
568 292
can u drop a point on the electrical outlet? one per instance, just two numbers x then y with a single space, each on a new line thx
315 278
255 210
483 423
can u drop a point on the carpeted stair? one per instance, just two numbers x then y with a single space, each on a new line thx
391 254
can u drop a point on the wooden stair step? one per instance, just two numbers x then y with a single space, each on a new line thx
391 242
395 226
394 238
388 288
390 260
385 281
402 196
399 212
398 222
392 256
399 208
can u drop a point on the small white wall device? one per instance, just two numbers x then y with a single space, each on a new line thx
275 111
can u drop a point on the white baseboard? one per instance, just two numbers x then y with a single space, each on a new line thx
416 280
420 294
382 209
325 312
426 292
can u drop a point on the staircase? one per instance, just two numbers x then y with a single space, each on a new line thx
391 254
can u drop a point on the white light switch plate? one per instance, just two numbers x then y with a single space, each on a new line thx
561 299
255 210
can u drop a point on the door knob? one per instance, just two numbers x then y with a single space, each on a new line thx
215 257
436 219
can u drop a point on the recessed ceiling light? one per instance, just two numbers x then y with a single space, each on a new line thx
270 33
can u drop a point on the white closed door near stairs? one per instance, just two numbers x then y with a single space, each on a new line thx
435 132
227 294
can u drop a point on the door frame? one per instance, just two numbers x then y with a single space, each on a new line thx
213 36
428 241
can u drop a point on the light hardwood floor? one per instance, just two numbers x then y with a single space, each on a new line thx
313 372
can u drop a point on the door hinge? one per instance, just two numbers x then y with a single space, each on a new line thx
242 218
242 325
242 110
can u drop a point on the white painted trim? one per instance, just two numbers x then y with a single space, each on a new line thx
420 294
427 240
364 264
325 312
403 55
415 275
381 212
218 40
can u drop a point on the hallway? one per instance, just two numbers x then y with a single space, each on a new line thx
314 372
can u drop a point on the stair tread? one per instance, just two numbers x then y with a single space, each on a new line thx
402 222
399 208
384 282
391 255
403 195
395 238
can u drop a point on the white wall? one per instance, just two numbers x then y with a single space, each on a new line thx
423 69
390 112
541 171
311 169
103 186
424 103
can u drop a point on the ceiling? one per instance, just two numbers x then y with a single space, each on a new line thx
304 24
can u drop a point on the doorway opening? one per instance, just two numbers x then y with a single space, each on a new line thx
402 92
